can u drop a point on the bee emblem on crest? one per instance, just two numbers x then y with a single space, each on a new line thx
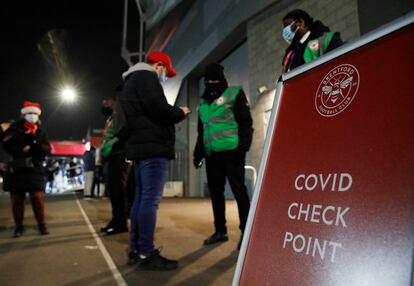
337 90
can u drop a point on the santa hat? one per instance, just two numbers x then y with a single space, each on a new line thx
31 107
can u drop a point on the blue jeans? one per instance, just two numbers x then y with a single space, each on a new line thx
150 176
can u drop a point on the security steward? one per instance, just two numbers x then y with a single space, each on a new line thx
307 39
224 136
118 169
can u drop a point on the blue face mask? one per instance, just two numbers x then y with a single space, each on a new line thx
163 77
32 118
288 34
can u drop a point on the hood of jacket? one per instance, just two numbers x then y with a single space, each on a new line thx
138 67
317 29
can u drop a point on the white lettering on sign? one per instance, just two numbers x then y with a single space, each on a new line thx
321 182
329 215
314 246
318 213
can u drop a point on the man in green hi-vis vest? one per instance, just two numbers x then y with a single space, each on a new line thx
224 136
307 39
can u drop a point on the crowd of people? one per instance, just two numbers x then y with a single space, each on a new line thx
139 139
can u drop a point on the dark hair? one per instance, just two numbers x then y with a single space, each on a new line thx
299 14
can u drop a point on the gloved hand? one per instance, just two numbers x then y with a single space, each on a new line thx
197 161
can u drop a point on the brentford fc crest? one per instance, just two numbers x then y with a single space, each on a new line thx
337 90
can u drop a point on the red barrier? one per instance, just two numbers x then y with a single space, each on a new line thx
335 202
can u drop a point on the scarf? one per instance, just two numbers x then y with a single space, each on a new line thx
31 128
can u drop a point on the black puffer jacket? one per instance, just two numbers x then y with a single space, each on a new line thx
25 172
149 118
317 29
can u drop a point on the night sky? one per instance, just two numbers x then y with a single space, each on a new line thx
91 46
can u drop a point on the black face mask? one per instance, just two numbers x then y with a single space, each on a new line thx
214 90
213 87
106 110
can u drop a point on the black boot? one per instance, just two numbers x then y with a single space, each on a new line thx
216 237
18 231
108 226
43 229
114 229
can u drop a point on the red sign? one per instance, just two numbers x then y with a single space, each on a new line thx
67 148
336 200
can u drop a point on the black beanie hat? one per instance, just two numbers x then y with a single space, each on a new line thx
214 71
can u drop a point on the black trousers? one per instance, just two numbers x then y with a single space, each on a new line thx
230 165
116 183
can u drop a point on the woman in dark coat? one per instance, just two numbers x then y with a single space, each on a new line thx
27 145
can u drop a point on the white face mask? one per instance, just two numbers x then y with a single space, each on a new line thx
32 118
288 34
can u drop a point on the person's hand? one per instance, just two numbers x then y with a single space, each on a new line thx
198 162
5 126
186 110
26 148
7 138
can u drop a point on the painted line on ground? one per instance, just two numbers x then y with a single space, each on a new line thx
115 272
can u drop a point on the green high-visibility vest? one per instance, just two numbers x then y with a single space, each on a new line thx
220 131
109 137
317 47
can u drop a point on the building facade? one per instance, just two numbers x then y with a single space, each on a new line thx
245 37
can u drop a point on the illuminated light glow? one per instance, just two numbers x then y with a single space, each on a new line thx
68 94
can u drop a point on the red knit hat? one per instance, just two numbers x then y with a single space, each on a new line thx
157 56
31 107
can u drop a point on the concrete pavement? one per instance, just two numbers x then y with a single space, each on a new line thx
71 255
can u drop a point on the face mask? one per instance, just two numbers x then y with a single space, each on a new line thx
212 87
288 34
163 77
106 111
214 90
32 118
